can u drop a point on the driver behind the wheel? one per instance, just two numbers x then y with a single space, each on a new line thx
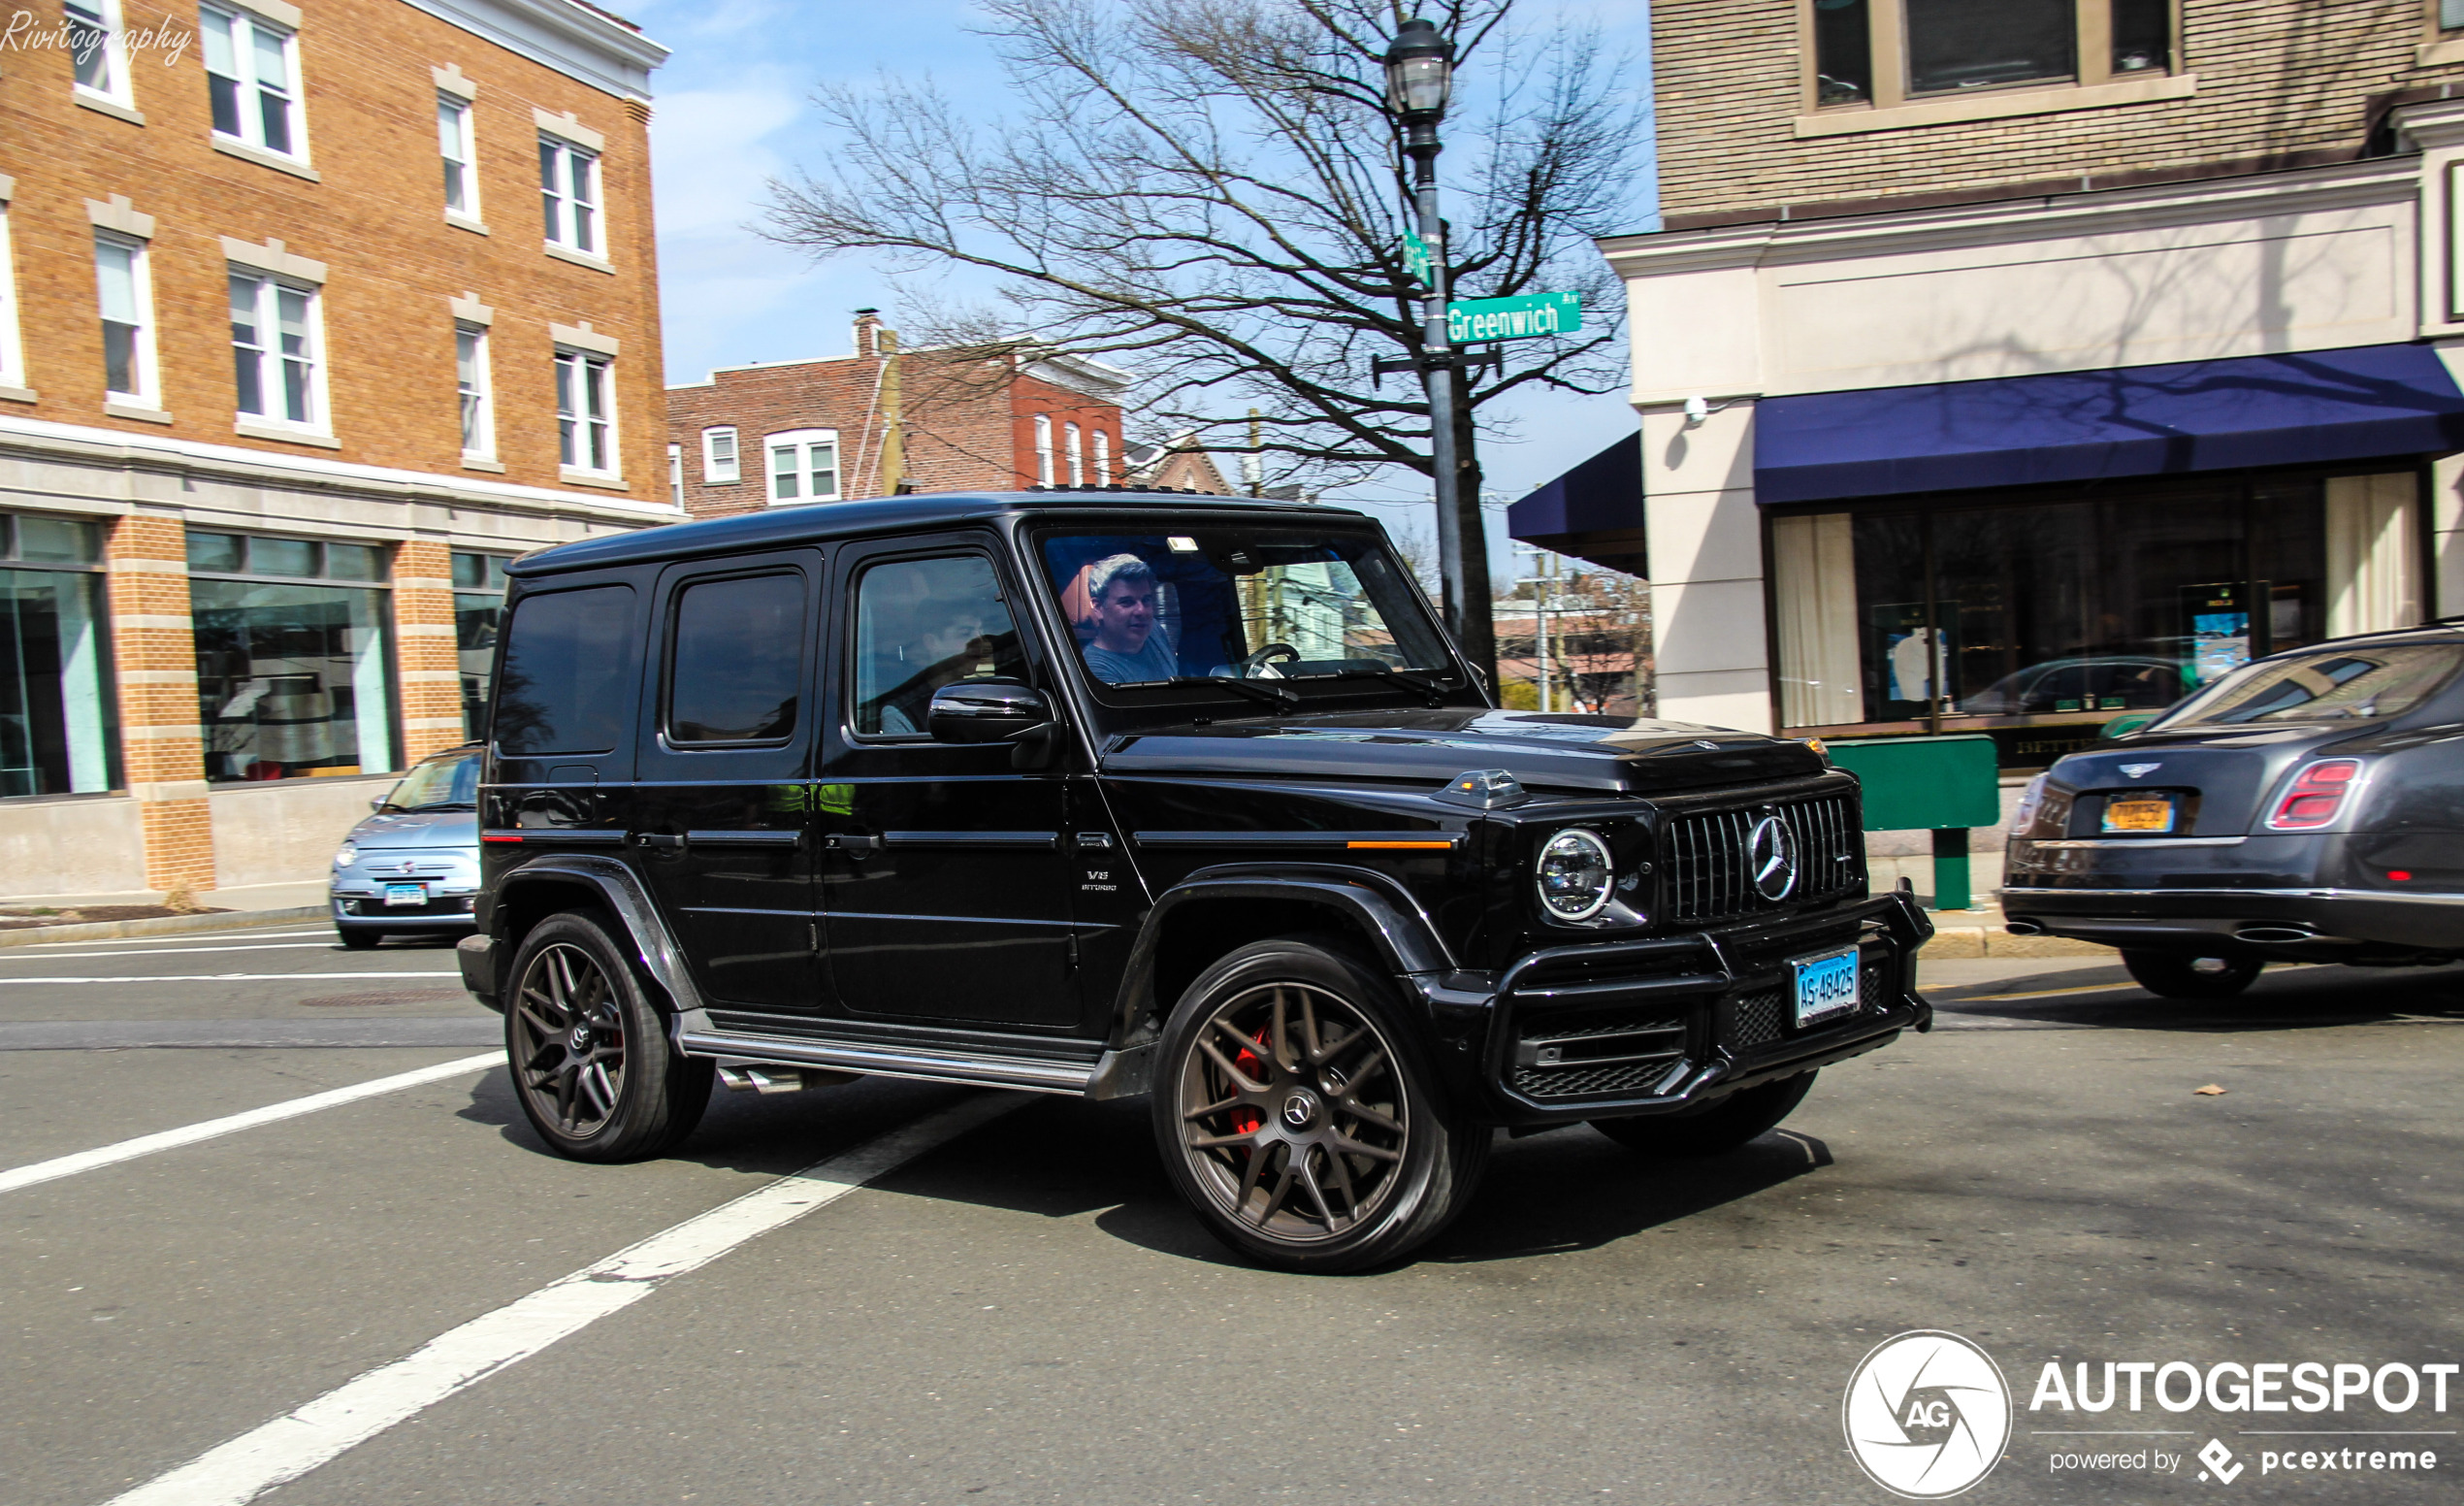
1126 648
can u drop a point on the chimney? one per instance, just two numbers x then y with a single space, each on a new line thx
867 324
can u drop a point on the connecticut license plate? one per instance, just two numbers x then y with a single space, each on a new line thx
406 894
2145 813
1825 985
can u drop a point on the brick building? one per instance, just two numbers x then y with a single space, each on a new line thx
883 420
309 320
2007 368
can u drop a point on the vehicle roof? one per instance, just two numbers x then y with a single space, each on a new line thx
2443 631
814 522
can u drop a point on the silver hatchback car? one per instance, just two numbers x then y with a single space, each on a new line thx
412 869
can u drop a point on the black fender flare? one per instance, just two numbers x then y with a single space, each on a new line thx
1385 913
621 890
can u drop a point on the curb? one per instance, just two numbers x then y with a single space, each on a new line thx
1954 941
158 925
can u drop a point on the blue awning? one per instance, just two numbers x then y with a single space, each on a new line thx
2317 407
1594 512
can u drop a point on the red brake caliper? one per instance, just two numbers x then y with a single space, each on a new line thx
1245 1119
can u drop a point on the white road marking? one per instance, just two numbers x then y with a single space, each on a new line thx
183 951
358 1410
211 1129
238 977
172 939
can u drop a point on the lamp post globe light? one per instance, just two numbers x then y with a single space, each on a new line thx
1419 79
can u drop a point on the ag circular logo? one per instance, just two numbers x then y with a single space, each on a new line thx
1926 1414
1772 852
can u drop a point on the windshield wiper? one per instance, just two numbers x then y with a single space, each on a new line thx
1420 680
412 810
1274 696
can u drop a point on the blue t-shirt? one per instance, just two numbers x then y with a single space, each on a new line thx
1153 660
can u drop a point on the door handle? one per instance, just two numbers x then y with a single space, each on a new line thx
661 841
851 842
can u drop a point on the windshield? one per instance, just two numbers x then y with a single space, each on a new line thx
1242 602
2335 685
440 784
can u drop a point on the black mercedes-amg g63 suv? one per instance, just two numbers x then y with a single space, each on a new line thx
1114 792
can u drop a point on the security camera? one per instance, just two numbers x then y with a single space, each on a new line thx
1695 412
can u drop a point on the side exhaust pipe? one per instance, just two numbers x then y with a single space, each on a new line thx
766 1078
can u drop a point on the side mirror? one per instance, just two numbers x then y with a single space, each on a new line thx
376 803
986 712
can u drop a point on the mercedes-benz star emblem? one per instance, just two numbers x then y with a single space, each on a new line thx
1300 1109
1770 854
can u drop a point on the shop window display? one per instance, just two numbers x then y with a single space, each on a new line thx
2038 620
294 673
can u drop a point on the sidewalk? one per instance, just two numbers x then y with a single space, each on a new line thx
1977 931
224 909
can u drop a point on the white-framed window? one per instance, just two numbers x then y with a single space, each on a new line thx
276 366
1076 448
804 464
98 52
252 81
1103 458
568 195
585 412
719 466
126 294
474 390
11 352
676 475
1044 449
454 143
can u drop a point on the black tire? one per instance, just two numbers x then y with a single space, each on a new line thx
598 1074
1716 1130
359 939
1295 1111
2181 975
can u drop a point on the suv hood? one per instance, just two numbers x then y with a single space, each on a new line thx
1572 753
419 828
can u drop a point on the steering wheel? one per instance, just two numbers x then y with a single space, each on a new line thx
1254 666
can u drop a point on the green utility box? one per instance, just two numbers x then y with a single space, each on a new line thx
1942 784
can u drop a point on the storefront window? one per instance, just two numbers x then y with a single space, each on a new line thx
56 722
294 675
2037 621
479 607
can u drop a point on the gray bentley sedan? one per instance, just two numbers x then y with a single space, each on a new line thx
2308 806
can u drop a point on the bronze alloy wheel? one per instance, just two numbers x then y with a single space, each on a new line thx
569 1039
1294 1119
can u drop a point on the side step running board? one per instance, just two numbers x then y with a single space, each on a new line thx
1034 1076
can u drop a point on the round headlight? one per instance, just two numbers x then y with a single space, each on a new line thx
1575 874
344 855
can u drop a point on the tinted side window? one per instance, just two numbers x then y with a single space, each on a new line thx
566 658
922 624
736 661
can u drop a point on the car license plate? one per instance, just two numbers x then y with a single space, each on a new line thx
406 894
2146 813
1825 985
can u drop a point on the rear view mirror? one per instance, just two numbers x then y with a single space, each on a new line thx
986 712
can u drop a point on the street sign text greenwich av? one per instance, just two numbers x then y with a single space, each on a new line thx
1514 318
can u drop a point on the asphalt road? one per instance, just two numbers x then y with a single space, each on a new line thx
1023 1313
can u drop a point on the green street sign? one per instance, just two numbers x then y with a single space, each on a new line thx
1415 257
1514 318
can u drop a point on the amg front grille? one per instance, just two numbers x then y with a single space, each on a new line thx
1709 858
1628 1081
1758 1020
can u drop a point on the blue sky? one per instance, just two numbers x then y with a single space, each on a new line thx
733 110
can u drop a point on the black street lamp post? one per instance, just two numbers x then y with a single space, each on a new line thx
1419 79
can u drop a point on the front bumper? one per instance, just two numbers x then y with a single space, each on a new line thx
1662 1026
445 912
2340 924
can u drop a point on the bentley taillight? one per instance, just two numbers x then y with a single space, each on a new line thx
2315 797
